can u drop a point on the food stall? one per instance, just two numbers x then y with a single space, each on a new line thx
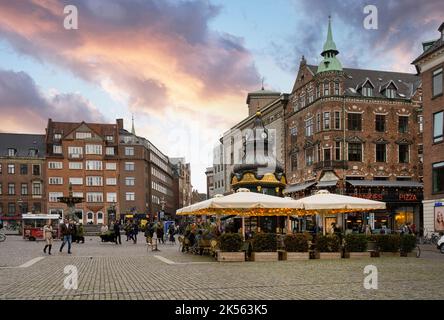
33 225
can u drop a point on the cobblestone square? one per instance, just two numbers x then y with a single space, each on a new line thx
130 271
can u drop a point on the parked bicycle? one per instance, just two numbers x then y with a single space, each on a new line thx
2 235
430 238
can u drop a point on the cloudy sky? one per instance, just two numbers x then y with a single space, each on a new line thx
184 68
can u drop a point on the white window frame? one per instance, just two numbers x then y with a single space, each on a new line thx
111 197
111 181
76 180
111 166
129 151
75 165
55 165
93 149
94 165
55 180
130 196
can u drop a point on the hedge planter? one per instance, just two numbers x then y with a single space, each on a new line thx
294 256
223 256
389 254
330 255
358 255
264 256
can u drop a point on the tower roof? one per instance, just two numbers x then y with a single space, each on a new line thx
330 62
329 44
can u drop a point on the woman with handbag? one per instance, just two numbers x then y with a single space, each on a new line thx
47 233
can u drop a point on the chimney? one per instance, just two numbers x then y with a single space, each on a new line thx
119 124
441 29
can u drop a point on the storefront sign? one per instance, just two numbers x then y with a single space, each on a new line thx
382 197
408 197
369 196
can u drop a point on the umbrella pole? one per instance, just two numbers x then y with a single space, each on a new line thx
288 224
243 227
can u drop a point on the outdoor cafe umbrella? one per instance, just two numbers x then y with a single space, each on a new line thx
324 202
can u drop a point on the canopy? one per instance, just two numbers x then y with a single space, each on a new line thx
244 203
324 200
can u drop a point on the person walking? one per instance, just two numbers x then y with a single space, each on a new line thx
80 236
47 233
171 232
135 232
66 231
117 232
160 232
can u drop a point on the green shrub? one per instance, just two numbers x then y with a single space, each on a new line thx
296 242
264 242
407 243
388 242
328 243
356 243
230 242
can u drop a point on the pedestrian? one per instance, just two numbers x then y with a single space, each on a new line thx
135 232
47 233
80 236
368 230
66 231
116 228
171 234
127 229
104 229
159 232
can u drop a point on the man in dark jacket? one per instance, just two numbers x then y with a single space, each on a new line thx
117 232
66 232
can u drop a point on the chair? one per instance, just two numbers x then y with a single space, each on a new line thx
181 242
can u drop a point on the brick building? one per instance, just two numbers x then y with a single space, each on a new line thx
22 176
430 66
356 132
182 178
209 173
84 155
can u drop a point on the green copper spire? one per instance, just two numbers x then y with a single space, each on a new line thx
330 62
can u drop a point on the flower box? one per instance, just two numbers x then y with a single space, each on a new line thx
294 256
329 255
264 256
223 256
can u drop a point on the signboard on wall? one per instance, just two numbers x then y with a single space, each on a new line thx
439 219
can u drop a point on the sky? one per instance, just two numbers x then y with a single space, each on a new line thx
184 68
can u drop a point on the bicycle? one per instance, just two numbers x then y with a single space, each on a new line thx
430 238
2 236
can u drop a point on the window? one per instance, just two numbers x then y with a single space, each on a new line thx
294 161
57 136
309 157
326 88
438 177
109 151
76 165
355 121
355 152
36 189
55 180
83 135
77 194
109 138
23 207
326 120
337 120
93 165
437 82
75 152
32 152
94 197
421 123
130 196
293 135
318 123
53 196
93 149
367 90
380 123
302 101
11 208
310 96
438 126
129 151
403 124
421 153
11 152
36 169
111 166
403 153
337 88
23 169
55 165
327 154
24 189
318 91
130 181
11 168
111 181
57 149
381 155
129 166
111 197
76 181
11 189
337 150
390 93
94 181
37 207
309 127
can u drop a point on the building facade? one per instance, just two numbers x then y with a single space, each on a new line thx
430 65
209 173
22 176
85 156
356 132
182 177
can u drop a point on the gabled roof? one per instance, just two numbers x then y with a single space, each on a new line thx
65 128
22 143
438 44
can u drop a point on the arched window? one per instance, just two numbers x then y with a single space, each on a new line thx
99 217
326 88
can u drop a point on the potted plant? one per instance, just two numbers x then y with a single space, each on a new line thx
356 246
296 246
328 247
388 245
407 244
264 247
230 245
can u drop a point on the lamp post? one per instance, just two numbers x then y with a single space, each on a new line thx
112 212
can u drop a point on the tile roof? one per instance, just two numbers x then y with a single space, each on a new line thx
65 128
438 44
22 143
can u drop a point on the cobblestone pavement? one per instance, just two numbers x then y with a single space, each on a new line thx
108 271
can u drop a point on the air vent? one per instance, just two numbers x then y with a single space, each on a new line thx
380 79
401 95
352 90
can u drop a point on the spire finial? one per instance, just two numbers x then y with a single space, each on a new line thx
133 131
262 88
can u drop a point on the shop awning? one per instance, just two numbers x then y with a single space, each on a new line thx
299 187
325 184
385 183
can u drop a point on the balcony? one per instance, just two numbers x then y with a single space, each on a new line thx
331 164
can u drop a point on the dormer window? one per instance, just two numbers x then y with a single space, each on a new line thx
83 135
367 90
110 138
57 136
33 152
390 93
12 152
389 90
